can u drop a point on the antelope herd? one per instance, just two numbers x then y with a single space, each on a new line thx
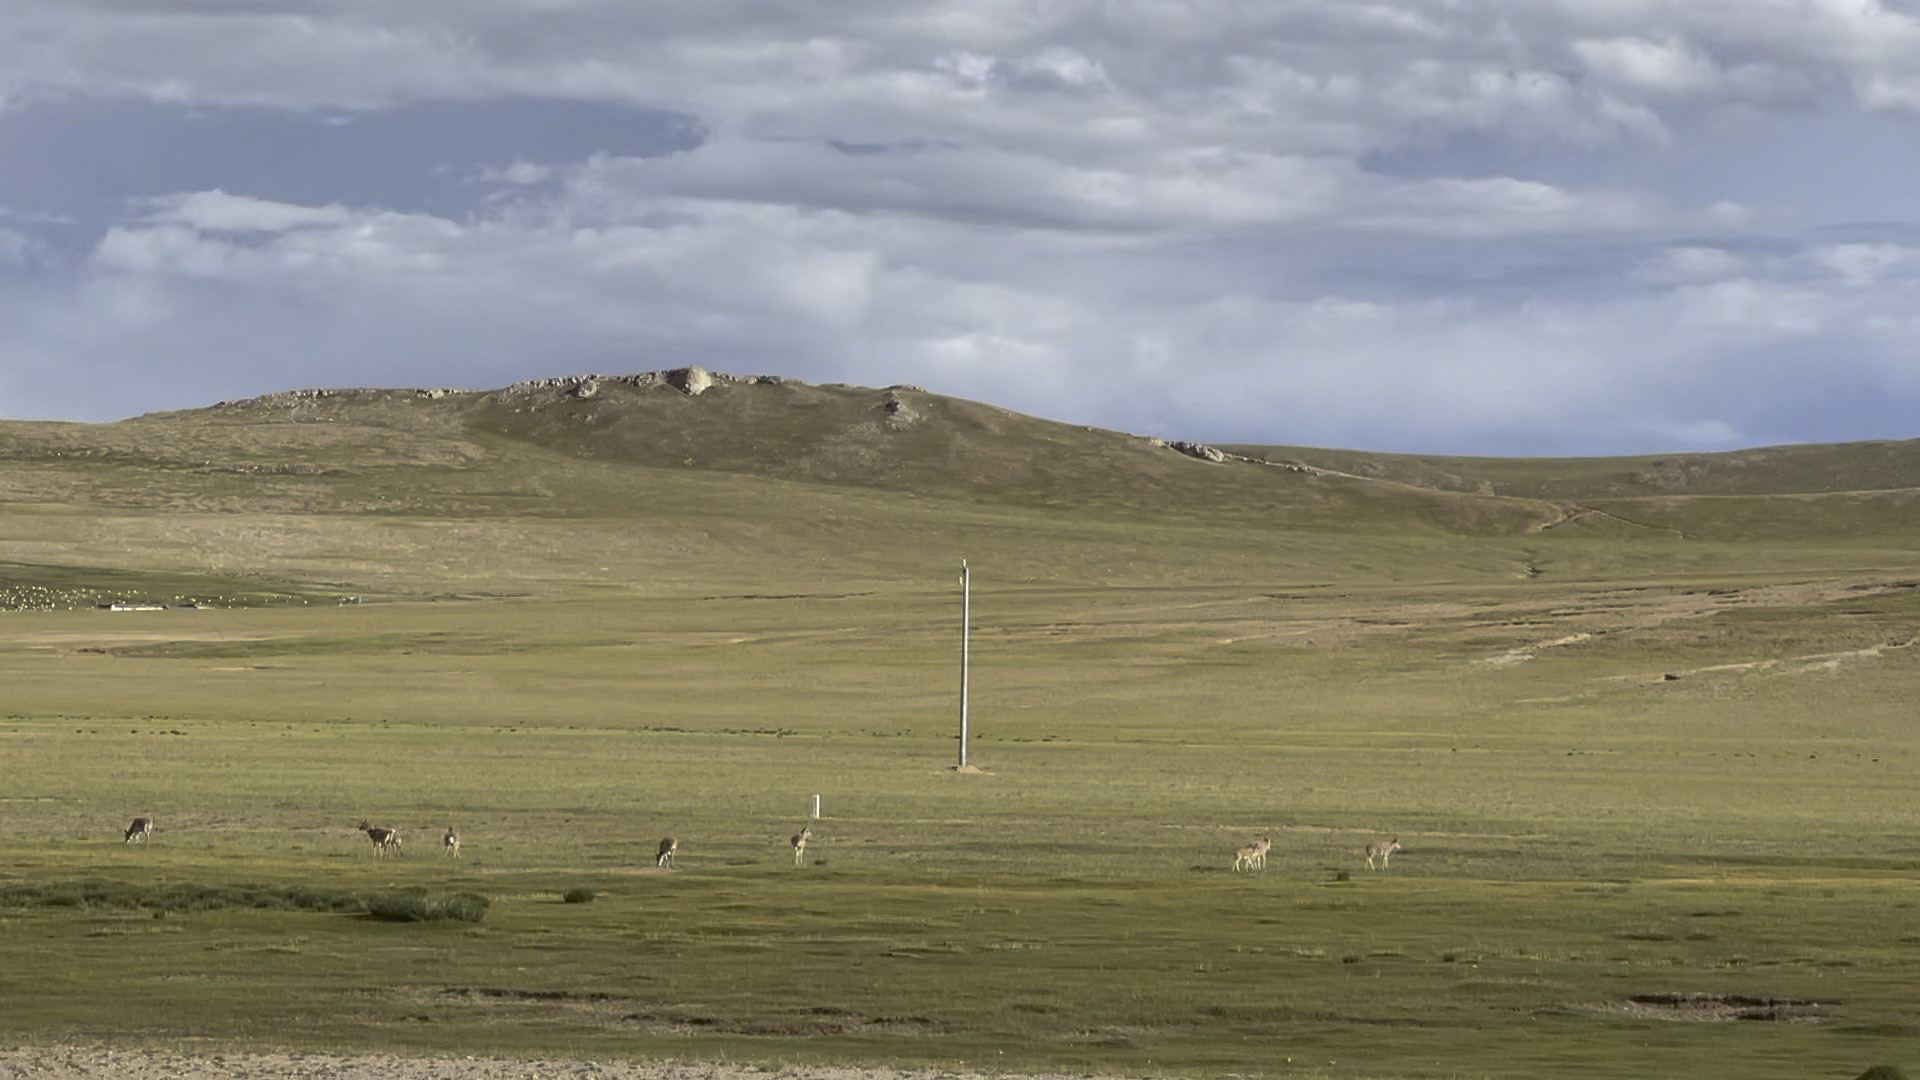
387 841
1252 856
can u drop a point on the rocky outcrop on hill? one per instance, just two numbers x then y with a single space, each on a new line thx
1201 451
900 413
901 405
692 381
1198 450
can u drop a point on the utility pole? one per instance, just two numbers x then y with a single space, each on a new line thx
966 659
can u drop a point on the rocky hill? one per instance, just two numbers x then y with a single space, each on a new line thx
693 480
899 438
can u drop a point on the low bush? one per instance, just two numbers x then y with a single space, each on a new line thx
417 907
462 907
186 899
398 907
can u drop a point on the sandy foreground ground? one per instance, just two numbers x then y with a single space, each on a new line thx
72 1063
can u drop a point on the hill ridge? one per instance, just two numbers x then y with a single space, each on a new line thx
684 479
1782 469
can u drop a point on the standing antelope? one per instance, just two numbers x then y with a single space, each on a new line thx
142 828
1382 850
664 858
1253 856
799 842
450 843
385 841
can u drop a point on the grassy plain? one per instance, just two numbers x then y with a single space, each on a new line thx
1645 786
1578 829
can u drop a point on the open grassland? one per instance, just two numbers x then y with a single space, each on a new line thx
1628 814
1643 729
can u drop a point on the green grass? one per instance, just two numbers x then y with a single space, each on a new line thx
1873 466
1658 754
1577 829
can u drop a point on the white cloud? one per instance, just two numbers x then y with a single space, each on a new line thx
218 211
1666 66
1505 206
519 173
1751 308
1864 264
1690 263
254 242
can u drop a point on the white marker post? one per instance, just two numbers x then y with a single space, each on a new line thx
966 659
816 808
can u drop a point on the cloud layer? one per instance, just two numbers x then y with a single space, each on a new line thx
1528 226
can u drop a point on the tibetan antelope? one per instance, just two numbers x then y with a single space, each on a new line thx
142 829
1253 856
450 843
385 841
799 842
664 857
1382 850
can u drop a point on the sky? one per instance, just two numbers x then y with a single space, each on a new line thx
1542 227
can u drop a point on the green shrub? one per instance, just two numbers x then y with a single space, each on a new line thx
398 907
578 896
92 893
417 907
462 907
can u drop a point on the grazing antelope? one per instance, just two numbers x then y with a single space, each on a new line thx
385 841
1382 850
799 842
450 843
142 828
1261 847
664 858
